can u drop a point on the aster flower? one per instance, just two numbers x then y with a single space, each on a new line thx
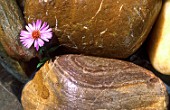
36 33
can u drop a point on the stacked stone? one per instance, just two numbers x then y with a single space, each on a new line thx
101 32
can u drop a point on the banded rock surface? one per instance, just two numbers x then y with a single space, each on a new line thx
72 82
107 28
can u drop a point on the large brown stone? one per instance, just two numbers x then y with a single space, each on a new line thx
75 82
109 28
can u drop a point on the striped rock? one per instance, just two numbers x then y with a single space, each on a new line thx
72 82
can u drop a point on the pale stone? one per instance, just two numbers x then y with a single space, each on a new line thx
159 44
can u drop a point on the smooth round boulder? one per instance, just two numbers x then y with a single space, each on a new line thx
159 43
76 82
107 28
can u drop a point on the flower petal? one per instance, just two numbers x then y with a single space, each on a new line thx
28 28
47 35
44 38
49 30
24 33
45 28
25 37
36 45
25 44
40 42
29 42
31 27
38 24
44 25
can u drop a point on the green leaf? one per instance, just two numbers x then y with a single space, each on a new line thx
42 61
42 50
39 65
53 49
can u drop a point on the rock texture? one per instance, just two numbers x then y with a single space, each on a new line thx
72 82
7 100
21 4
109 28
9 89
13 55
11 23
12 66
158 44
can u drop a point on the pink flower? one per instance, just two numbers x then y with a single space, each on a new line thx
36 33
